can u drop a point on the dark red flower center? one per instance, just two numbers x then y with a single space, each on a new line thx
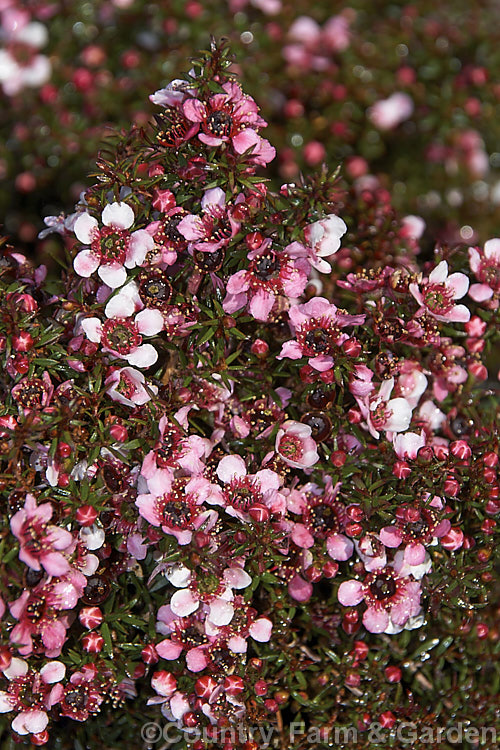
438 298
383 587
219 123
111 245
120 335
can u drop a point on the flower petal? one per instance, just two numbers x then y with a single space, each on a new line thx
119 215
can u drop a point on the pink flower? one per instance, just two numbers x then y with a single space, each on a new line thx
128 386
324 238
112 248
486 266
317 326
40 543
123 336
270 273
391 600
243 491
437 295
173 449
383 413
21 65
177 511
387 114
323 518
31 694
295 445
416 527
214 228
230 117
38 612
408 444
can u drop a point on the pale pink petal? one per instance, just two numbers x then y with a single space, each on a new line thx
113 274
237 578
302 537
191 227
245 140
440 273
261 629
54 671
492 249
350 593
480 292
7 705
169 650
213 197
85 228
376 621
391 536
261 305
30 722
194 110
229 467
17 667
299 589
339 547
414 554
179 705
290 349
221 612
144 356
92 328
459 314
236 643
149 322
85 263
400 419
140 244
459 283
55 564
183 603
321 363
196 659
119 215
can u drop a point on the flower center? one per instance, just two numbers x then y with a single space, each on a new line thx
291 447
266 266
383 588
209 262
242 494
438 298
379 414
216 224
175 512
489 274
111 245
120 335
322 518
30 393
155 289
220 124
76 699
173 128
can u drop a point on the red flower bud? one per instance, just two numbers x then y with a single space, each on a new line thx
260 348
92 643
453 540
490 459
353 529
205 686
460 449
352 348
482 630
149 654
90 617
259 513
254 240
22 342
401 470
361 649
338 458
40 738
451 487
330 569
387 719
313 574
393 674
118 432
261 687
86 515
488 526
354 416
5 658
233 685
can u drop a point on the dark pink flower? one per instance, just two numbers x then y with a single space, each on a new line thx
317 325
295 445
270 273
391 600
416 527
31 694
438 293
486 266
41 543
213 228
112 249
